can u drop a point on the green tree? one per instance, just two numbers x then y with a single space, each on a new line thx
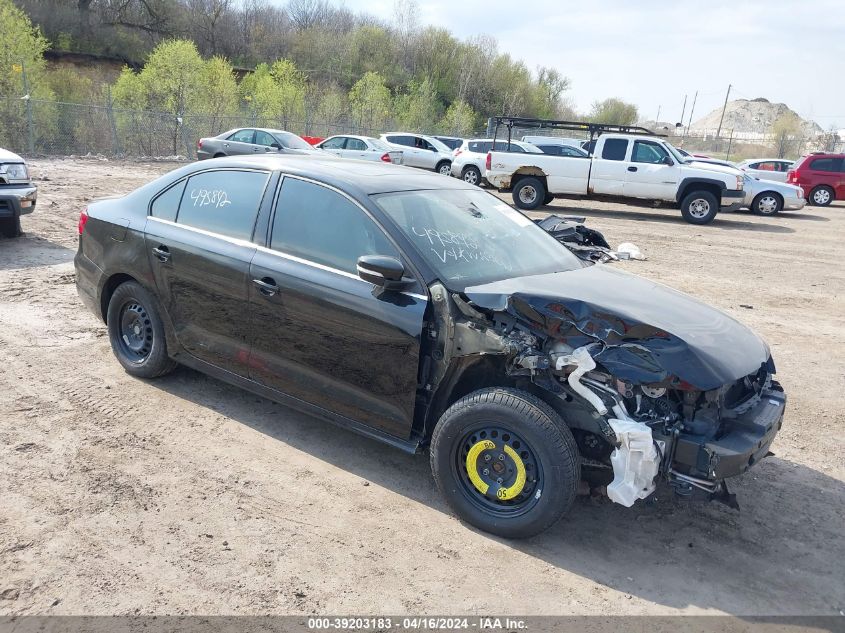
417 109
460 119
22 54
369 100
614 112
787 133
276 92
177 81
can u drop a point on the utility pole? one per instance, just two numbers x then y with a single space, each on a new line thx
657 120
683 110
691 110
724 107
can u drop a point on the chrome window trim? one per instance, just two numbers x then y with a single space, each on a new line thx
248 244
378 224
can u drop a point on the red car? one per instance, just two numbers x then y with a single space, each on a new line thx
821 175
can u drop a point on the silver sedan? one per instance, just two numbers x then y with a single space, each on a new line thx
362 148
767 197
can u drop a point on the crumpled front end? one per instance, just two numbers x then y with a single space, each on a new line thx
652 382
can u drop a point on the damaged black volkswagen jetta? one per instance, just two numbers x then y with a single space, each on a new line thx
423 311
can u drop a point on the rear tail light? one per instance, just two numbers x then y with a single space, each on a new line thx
792 177
83 220
199 144
458 152
386 158
488 162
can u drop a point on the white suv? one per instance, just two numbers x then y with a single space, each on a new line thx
419 150
468 159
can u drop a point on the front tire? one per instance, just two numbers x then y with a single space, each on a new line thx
11 227
821 196
505 462
472 176
767 203
699 207
136 332
529 193
444 168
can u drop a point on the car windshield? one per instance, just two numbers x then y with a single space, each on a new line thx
471 237
291 141
676 154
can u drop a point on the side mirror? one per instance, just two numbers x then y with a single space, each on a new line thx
667 161
383 271
275 146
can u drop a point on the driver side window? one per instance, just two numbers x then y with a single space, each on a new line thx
322 226
645 152
262 138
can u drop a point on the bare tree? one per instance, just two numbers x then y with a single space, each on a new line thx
306 14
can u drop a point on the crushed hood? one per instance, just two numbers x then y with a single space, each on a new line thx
649 332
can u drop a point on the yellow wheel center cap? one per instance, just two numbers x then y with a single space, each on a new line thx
499 491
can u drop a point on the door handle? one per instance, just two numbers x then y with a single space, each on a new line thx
162 253
266 286
632 168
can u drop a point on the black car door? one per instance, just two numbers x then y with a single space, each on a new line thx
320 333
198 243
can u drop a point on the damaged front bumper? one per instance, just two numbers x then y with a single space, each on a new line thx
703 463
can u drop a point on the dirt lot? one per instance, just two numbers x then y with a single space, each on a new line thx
187 496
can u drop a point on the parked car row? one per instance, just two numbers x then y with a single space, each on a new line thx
817 178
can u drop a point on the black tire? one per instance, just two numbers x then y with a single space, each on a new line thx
444 168
219 155
548 199
10 227
699 207
529 193
821 196
767 203
472 175
548 454
136 332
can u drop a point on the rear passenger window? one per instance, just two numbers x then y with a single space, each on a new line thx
322 226
481 146
826 164
223 202
166 204
614 149
356 144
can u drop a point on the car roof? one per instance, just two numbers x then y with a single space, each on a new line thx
353 176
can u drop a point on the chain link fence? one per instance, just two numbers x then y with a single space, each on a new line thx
35 127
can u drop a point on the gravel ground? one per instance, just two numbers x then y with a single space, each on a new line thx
187 496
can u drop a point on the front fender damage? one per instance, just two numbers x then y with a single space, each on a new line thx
458 329
643 403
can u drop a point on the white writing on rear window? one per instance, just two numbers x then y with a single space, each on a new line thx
214 197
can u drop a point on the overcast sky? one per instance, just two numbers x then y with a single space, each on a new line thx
653 52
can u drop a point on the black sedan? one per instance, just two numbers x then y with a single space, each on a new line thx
423 311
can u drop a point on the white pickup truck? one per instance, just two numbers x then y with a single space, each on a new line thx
630 166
